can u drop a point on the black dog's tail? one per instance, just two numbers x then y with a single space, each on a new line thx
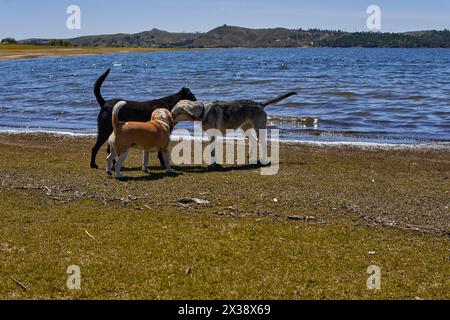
98 86
278 99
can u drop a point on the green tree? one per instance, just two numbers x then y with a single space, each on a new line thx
59 43
9 40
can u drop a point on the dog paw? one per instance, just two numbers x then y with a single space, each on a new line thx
267 164
94 166
120 177
109 173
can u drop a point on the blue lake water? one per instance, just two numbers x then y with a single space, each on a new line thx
374 95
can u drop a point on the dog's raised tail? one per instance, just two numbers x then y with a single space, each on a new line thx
115 114
98 86
278 99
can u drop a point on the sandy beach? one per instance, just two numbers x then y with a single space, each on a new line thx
308 232
13 52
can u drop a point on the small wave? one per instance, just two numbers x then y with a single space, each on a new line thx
254 81
320 76
379 95
296 104
295 121
418 97
349 135
375 145
359 114
340 93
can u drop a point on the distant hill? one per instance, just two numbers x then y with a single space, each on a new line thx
231 36
152 38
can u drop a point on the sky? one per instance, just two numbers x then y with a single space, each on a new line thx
23 19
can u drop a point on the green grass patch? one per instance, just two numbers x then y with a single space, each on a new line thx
241 246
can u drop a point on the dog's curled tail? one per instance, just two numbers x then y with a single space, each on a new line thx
98 86
278 99
115 114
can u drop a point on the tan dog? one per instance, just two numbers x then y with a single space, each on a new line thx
153 135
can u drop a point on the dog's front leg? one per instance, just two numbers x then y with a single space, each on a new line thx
213 141
145 161
166 158
109 161
213 165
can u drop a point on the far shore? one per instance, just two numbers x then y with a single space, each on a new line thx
14 52
22 51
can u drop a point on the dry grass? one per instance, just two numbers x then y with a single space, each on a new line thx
18 51
243 245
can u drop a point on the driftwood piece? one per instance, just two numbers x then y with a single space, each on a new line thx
302 218
89 235
20 284
187 201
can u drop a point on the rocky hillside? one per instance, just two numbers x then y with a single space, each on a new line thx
231 36
152 38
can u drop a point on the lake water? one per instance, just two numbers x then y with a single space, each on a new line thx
371 95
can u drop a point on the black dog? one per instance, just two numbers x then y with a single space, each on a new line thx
134 111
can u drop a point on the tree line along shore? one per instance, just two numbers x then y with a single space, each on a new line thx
231 36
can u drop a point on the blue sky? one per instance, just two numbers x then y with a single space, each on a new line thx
47 18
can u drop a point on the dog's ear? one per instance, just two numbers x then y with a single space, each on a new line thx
187 94
170 119
186 109
152 117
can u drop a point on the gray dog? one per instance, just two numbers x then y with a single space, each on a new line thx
220 115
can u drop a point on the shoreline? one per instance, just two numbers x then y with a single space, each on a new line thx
438 145
20 52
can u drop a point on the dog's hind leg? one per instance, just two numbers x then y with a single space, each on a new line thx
166 158
213 165
101 139
253 147
262 141
161 159
119 163
145 161
108 151
213 159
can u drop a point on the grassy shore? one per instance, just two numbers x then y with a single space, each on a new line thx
309 232
19 51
